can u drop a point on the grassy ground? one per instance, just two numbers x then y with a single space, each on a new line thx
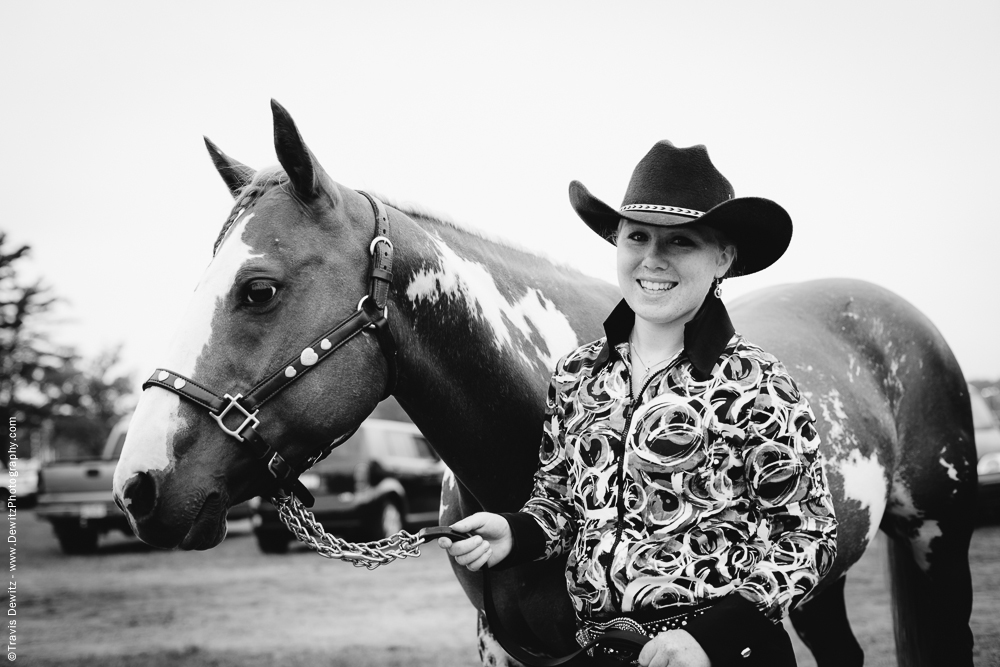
233 606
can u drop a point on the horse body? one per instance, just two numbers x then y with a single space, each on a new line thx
894 421
479 326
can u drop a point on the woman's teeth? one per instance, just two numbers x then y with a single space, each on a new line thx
656 286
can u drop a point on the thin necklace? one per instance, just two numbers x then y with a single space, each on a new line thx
649 369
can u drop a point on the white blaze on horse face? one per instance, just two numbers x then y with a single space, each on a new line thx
194 329
153 425
472 283
150 434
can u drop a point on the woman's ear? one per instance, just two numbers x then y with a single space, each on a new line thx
727 255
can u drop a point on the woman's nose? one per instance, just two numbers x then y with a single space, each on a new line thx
655 258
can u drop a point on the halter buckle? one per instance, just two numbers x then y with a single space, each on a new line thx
248 417
376 241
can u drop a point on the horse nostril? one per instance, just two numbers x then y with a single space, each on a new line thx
140 494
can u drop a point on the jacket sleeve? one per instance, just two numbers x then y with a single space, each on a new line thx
789 495
546 525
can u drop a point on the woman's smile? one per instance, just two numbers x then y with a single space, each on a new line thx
656 285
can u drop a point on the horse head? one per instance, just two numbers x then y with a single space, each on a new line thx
271 287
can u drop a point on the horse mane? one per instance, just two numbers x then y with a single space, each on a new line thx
263 180
270 177
424 214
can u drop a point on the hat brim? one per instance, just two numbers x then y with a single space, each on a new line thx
759 228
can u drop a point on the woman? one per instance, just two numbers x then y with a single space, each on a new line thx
679 469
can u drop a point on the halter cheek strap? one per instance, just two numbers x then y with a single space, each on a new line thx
237 415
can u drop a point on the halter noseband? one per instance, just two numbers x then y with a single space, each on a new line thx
372 313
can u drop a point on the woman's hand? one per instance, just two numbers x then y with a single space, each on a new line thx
676 648
490 543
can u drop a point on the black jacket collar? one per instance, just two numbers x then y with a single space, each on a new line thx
705 336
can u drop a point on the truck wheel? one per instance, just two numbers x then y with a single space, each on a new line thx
386 520
272 542
74 538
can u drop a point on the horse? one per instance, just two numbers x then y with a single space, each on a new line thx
477 325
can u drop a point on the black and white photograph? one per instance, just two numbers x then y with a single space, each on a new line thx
504 334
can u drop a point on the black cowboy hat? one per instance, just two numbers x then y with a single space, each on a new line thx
680 186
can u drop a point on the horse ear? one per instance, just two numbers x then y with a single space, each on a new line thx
298 161
235 174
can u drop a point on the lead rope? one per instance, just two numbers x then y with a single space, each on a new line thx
301 522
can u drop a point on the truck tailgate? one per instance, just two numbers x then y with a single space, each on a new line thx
78 477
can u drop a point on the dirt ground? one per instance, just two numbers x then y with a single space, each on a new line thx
234 606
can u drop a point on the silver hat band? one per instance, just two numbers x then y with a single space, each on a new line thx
662 209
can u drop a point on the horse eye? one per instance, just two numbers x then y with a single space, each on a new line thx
259 292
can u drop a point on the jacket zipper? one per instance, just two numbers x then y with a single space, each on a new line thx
629 411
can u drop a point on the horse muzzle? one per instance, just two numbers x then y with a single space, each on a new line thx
194 520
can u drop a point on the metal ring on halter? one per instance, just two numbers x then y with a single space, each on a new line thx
385 309
371 248
248 417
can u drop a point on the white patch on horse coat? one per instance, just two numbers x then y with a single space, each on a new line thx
952 472
853 368
156 419
474 285
491 654
447 484
832 410
864 481
863 476
894 386
922 542
903 505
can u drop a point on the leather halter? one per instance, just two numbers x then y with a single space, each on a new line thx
372 313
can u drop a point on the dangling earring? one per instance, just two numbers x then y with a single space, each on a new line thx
718 288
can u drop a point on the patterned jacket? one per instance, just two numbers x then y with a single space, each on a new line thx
710 486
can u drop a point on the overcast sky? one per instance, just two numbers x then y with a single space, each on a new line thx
874 124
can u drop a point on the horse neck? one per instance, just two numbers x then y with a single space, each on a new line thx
480 326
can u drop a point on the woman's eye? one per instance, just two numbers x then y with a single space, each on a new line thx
259 292
639 237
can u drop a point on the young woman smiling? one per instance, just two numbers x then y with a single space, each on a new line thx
678 469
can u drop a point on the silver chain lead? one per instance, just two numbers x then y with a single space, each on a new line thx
301 522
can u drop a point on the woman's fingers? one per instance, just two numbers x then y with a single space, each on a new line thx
465 547
480 562
473 555
471 523
489 531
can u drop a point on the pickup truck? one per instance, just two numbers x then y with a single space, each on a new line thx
75 495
